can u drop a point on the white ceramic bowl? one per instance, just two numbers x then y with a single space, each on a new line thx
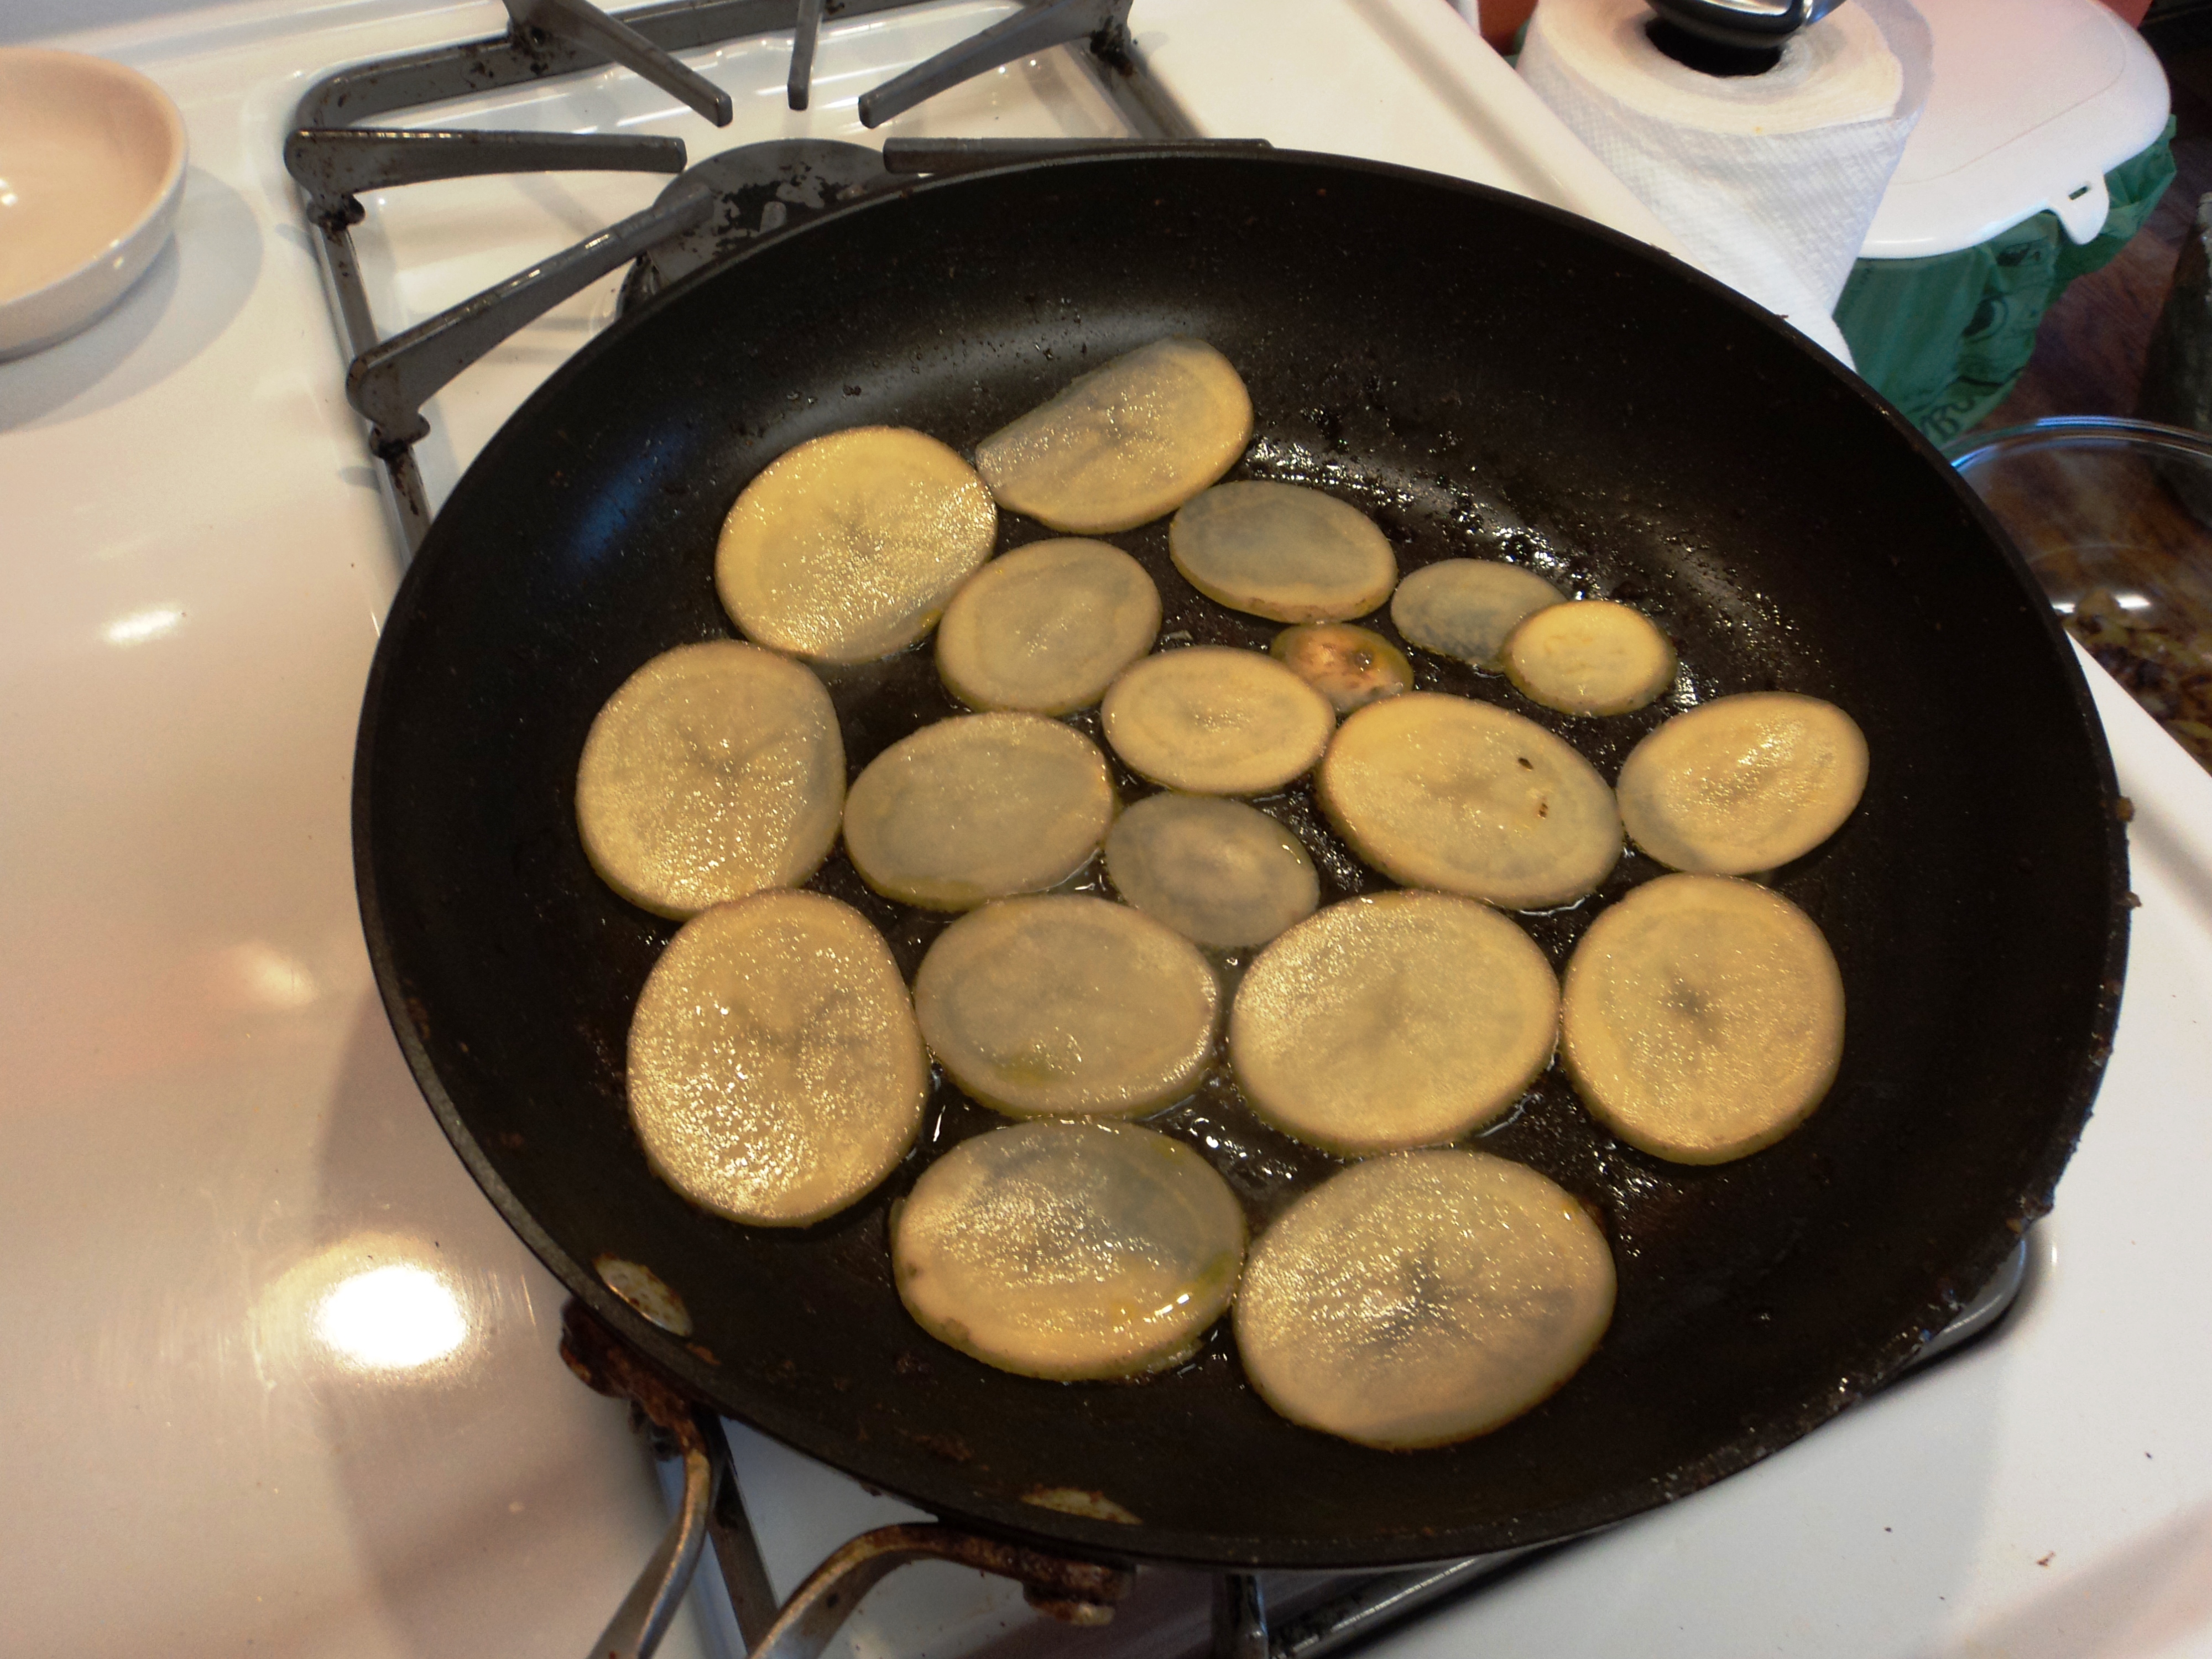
91 164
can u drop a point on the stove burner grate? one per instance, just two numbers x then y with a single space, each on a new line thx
333 158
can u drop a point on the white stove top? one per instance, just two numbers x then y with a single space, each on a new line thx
282 1380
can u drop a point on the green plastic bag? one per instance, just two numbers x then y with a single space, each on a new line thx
1944 339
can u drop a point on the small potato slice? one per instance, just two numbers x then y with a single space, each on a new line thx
715 770
1466 608
1589 657
846 548
1125 444
1069 1250
1047 627
977 807
1218 871
775 1071
1702 1018
1282 551
1402 1020
1423 1298
1214 720
1443 792
1350 666
1743 783
1066 1005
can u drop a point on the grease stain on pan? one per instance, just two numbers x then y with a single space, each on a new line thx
1079 1500
645 1290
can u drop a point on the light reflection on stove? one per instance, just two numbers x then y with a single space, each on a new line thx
140 626
395 1317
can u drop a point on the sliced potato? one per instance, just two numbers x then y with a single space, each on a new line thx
1443 792
1214 720
1589 657
1218 871
1283 551
1047 627
715 770
846 548
977 807
1423 1298
1743 783
1125 444
1702 1018
1466 608
775 1071
1405 1019
1350 666
1069 1250
1064 1005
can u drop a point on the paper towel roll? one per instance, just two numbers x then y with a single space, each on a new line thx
1770 180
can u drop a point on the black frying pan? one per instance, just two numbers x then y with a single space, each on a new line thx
1485 376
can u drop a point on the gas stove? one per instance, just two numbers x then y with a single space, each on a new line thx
300 1381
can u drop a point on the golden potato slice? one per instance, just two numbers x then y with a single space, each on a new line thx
1350 666
846 548
1702 1018
1066 1005
1047 627
1124 444
1282 551
1589 657
1443 792
1744 783
1423 1298
1466 608
1214 720
1069 1250
1218 871
1402 1020
775 1071
715 770
977 807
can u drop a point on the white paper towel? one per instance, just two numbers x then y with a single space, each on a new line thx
1770 180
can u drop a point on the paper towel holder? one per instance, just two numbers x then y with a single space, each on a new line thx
1750 26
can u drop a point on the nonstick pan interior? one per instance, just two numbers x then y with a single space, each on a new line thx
1485 378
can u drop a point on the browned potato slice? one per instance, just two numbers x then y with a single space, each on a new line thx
1213 720
714 771
1124 444
1350 666
847 547
775 1072
1443 792
1218 871
1069 1250
1423 1298
1466 608
1702 1018
1283 551
1402 1020
1589 657
1744 783
1064 1005
1047 627
977 807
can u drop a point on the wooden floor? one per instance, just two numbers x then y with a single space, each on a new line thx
2090 352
